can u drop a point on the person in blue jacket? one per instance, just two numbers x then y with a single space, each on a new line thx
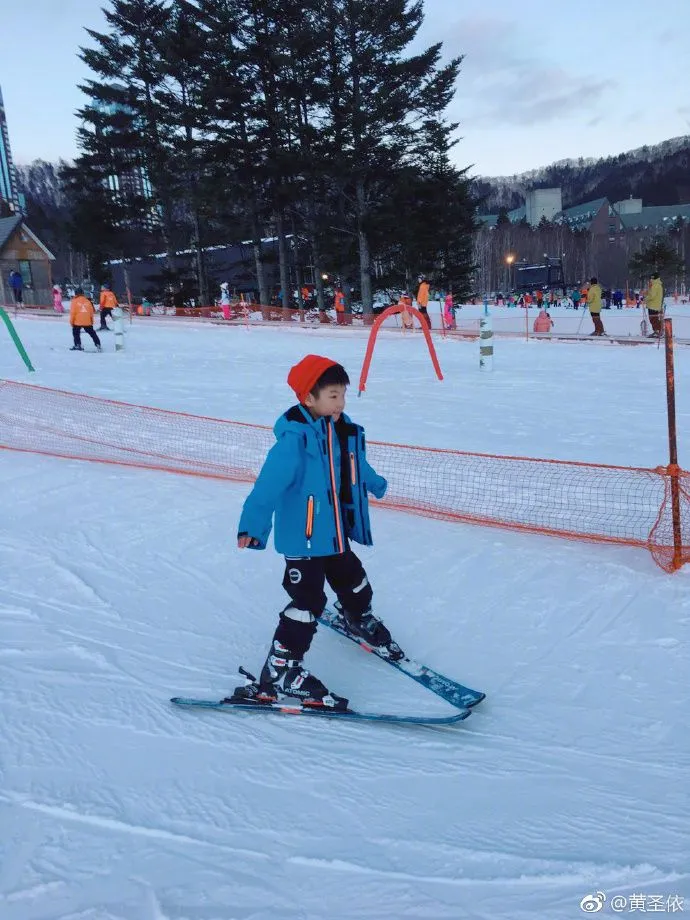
17 285
315 483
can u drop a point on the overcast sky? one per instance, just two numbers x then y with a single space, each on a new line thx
542 79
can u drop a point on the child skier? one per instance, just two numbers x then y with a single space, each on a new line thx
315 479
57 299
449 311
81 313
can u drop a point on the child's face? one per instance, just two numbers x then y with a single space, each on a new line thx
330 401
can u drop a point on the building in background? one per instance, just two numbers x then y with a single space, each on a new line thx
9 195
22 251
599 217
544 275
133 182
542 203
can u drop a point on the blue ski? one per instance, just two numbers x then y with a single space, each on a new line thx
285 707
447 689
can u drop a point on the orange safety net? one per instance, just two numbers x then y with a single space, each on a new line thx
582 501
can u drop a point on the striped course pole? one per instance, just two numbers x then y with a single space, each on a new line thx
15 338
118 316
486 340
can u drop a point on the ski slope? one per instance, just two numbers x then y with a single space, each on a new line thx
120 588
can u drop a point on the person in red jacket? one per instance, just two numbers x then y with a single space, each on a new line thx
81 314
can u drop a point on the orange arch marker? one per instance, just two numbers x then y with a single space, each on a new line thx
391 311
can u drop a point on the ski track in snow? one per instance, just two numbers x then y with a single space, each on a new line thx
121 588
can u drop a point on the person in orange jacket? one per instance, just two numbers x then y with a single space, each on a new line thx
339 303
81 314
423 299
107 303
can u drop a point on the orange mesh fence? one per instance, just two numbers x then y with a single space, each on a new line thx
572 325
623 505
259 313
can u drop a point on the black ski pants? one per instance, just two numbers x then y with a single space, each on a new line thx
105 313
304 581
89 330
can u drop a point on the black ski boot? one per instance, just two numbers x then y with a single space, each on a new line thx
372 631
285 676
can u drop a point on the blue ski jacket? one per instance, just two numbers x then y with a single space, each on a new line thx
315 480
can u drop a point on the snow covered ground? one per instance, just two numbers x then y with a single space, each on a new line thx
120 588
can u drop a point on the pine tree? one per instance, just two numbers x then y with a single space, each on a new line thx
184 123
428 222
658 256
236 150
379 103
98 226
122 136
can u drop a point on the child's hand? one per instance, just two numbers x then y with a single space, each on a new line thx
244 540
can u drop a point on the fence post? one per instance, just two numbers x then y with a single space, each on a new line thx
526 321
673 468
15 338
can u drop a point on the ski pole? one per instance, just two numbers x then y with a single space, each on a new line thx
582 319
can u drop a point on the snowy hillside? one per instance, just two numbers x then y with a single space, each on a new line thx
657 173
123 587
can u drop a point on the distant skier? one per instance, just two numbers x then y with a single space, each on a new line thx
17 285
449 311
225 300
594 306
405 302
655 304
315 479
81 314
543 322
57 299
423 300
339 304
107 303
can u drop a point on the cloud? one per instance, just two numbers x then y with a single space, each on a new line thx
519 97
503 80
478 34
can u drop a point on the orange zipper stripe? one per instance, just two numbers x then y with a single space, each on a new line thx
336 494
310 517
353 469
